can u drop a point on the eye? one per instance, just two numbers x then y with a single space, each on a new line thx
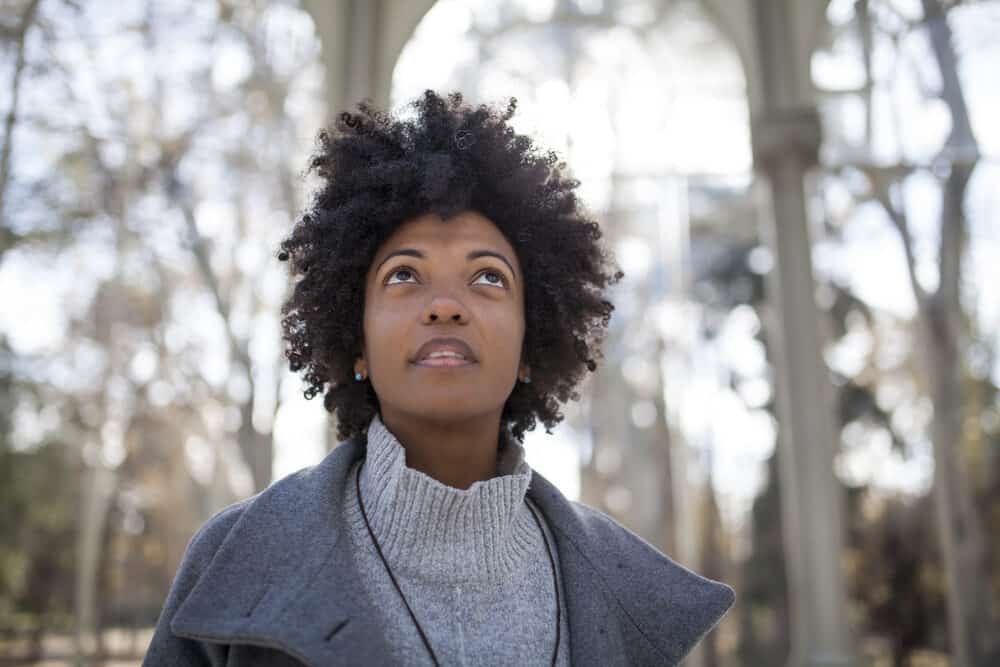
405 273
494 278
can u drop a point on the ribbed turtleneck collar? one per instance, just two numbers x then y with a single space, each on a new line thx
437 532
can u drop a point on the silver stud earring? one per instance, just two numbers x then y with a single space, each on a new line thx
359 377
526 380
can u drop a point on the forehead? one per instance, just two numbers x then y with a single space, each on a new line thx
429 232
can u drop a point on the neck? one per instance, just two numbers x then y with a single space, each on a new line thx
457 454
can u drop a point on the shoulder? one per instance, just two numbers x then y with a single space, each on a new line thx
239 547
283 495
697 602
286 510
205 543
165 647
207 539
669 605
611 543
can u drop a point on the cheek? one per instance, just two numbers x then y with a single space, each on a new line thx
508 333
384 331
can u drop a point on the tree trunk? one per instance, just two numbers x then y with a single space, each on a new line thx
962 544
970 614
99 489
257 448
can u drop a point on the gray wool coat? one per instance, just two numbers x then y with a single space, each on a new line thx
272 580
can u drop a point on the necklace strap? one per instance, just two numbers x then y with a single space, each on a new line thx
364 514
392 577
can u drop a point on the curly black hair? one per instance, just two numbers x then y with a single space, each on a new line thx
377 171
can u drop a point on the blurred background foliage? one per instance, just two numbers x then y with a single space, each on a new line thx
152 157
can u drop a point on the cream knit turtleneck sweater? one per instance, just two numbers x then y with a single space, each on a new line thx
472 563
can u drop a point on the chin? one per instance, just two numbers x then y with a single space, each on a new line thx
448 412
450 409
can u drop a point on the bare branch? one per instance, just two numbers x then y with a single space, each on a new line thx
952 239
27 19
961 143
884 181
199 248
867 41
961 149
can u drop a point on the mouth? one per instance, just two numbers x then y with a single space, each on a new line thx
445 353
444 360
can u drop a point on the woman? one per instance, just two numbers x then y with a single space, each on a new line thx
448 296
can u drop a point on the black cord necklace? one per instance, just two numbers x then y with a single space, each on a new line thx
420 630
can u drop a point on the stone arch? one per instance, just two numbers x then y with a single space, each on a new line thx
749 23
361 41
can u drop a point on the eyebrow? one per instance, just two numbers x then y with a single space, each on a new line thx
475 254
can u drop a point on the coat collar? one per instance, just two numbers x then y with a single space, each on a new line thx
285 578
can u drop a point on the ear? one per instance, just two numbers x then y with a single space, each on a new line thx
359 366
523 371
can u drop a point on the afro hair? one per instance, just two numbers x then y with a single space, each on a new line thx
377 171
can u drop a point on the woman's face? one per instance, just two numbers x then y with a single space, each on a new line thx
457 279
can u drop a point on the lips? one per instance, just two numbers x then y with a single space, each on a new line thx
443 351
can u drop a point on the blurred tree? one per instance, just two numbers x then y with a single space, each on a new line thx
170 135
897 597
15 33
37 530
884 27
896 572
232 287
764 617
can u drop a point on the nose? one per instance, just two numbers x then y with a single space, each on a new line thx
444 309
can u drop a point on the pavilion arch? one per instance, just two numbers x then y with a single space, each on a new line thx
775 39
362 40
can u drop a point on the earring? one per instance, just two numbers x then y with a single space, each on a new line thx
526 380
359 377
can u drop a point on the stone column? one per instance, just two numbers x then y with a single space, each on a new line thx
786 139
785 146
